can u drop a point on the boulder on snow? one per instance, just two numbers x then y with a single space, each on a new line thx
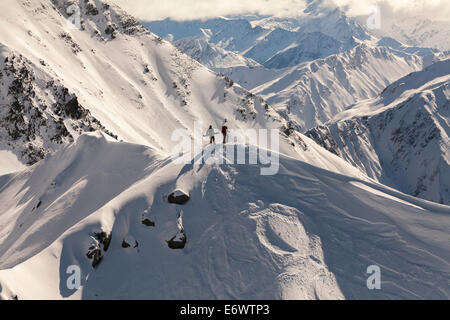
95 253
125 244
95 250
104 238
178 197
147 222
178 241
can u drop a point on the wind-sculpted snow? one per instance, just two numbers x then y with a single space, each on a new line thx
306 233
400 138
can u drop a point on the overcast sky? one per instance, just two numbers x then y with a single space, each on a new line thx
201 9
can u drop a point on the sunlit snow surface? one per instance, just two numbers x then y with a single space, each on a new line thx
305 233
308 232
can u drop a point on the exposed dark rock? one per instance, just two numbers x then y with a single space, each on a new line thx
69 40
324 138
178 197
125 244
28 109
178 241
111 30
104 239
95 250
229 83
148 222
288 130
91 9
95 253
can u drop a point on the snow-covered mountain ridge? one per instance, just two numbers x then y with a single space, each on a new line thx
309 92
306 233
213 56
103 205
151 79
268 41
400 138
313 93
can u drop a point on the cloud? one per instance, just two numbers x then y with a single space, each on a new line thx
432 9
203 9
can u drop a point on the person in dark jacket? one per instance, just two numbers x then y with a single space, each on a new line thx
224 131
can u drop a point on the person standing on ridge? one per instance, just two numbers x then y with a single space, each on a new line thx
210 133
224 131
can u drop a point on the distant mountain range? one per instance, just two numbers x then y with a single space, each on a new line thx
401 137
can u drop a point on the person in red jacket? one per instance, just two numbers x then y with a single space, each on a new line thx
224 131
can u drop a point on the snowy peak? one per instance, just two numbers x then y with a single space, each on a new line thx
318 16
153 80
314 92
213 56
400 138
101 18
268 40
422 80
293 48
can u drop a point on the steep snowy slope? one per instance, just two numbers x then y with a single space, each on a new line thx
9 162
136 85
313 93
305 233
401 137
38 113
213 56
99 203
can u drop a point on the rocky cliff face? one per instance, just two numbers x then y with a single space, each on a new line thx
38 113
